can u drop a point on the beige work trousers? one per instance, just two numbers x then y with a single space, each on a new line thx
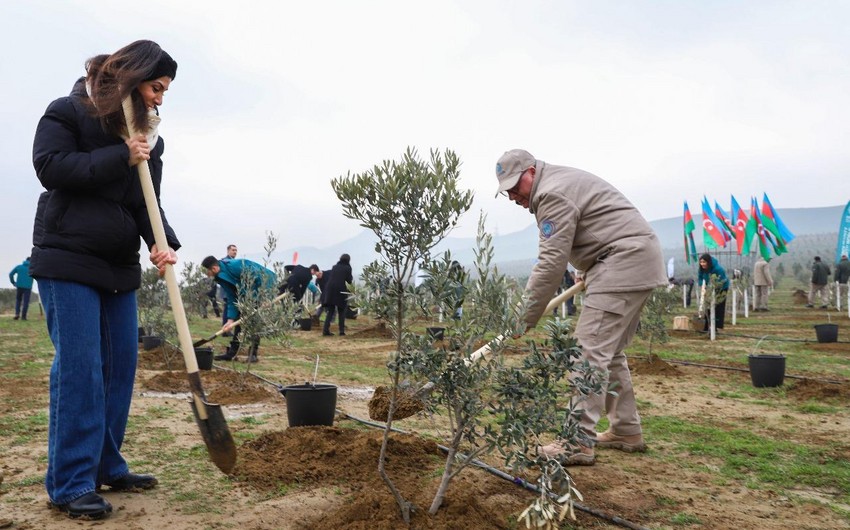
607 325
761 297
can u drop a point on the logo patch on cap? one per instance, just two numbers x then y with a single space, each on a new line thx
547 228
499 170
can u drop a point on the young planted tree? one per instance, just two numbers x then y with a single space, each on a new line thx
654 318
410 205
154 307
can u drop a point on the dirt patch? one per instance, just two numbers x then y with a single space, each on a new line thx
378 331
800 296
162 358
809 389
332 456
222 387
653 365
406 406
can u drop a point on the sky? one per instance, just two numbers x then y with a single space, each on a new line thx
667 100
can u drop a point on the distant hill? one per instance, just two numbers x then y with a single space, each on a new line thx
515 252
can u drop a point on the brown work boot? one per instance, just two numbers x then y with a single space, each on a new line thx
577 455
629 444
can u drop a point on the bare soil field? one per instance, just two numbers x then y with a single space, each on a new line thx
722 454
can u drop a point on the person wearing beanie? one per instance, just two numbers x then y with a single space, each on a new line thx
586 222
85 258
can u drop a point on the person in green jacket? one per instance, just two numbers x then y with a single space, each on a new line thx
229 274
21 279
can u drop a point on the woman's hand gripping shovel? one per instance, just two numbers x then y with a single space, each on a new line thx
208 416
411 403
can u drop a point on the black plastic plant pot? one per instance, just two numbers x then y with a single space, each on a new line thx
305 323
767 370
436 333
150 342
826 332
204 355
310 404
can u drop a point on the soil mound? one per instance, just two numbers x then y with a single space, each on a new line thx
809 389
222 387
323 456
407 406
653 365
162 358
380 331
800 296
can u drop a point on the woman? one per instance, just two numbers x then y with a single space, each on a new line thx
334 298
708 267
86 261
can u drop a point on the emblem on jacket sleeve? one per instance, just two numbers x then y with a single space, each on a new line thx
547 228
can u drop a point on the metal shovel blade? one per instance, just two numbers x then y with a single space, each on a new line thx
213 427
204 341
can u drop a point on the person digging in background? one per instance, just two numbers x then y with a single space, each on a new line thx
321 281
232 251
228 273
585 221
708 266
86 261
21 279
334 298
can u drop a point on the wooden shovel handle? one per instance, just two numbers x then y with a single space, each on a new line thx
555 302
185 337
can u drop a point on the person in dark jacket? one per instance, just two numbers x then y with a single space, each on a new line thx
297 281
842 274
237 277
86 261
820 279
322 278
334 299
21 279
708 267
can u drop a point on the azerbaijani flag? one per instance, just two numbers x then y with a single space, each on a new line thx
768 212
755 226
711 234
726 225
740 231
689 226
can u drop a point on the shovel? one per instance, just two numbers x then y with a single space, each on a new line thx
208 416
411 403
235 323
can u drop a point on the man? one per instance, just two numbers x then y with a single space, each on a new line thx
21 279
335 297
231 254
321 281
820 278
585 221
763 281
842 274
298 281
232 275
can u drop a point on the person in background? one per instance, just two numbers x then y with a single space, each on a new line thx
231 254
820 279
85 258
297 282
687 285
21 279
708 267
585 221
568 281
321 281
334 297
763 281
229 274
842 274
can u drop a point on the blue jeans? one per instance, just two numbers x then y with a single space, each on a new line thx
22 301
95 334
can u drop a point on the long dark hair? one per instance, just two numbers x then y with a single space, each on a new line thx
112 77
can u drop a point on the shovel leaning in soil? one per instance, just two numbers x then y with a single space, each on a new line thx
409 403
208 416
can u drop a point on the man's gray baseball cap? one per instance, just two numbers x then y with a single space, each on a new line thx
511 166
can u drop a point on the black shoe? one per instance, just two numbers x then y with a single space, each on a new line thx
89 506
809 305
133 482
822 307
327 334
16 317
341 333
224 357
252 359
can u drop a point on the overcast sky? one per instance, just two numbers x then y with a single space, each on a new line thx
667 100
